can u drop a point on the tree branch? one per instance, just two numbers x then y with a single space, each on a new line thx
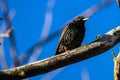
12 38
7 34
109 40
117 67
118 2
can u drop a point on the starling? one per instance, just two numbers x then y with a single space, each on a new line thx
72 35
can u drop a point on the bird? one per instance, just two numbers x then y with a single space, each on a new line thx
72 35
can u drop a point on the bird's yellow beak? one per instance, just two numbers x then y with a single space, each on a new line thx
86 19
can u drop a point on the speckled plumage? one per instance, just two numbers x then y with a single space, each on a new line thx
72 35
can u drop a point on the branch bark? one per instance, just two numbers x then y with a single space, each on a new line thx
7 34
117 67
109 40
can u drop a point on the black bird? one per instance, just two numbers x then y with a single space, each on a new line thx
72 35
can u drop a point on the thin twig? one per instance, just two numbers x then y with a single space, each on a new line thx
117 67
7 34
12 38
118 2
3 59
96 8
46 29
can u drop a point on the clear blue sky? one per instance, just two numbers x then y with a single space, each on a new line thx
29 20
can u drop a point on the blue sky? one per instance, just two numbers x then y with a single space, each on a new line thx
29 18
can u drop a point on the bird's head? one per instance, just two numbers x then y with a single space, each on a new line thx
80 18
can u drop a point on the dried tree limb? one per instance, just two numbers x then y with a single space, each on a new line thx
95 8
109 40
7 34
118 2
3 28
117 67
12 38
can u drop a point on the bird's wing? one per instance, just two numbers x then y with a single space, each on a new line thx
64 31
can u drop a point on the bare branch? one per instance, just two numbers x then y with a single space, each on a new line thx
109 40
12 39
2 30
7 34
89 12
44 41
45 30
117 67
118 2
